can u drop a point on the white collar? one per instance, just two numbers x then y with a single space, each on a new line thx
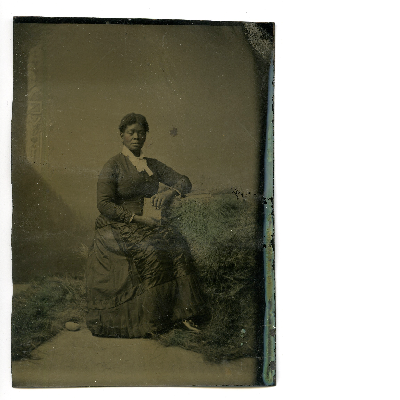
139 162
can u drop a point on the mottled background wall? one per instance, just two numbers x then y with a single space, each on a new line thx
74 82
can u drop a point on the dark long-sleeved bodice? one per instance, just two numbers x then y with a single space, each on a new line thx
121 188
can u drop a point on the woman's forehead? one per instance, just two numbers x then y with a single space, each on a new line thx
135 127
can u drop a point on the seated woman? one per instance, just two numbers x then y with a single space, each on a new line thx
140 275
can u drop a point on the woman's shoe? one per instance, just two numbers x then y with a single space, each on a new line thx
190 325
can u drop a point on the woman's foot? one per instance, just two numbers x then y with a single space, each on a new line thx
190 325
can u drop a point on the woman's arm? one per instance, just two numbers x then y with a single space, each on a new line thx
171 178
179 185
164 198
107 192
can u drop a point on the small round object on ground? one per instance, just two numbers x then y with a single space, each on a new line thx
72 326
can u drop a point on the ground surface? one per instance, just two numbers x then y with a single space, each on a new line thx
80 359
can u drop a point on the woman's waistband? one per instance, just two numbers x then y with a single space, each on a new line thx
133 205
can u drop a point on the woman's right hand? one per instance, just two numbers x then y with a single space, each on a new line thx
149 221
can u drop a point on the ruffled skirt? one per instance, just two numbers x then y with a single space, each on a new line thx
139 280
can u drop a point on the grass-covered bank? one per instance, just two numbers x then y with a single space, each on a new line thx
222 233
224 237
40 312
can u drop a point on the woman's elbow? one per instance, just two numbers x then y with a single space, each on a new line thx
103 206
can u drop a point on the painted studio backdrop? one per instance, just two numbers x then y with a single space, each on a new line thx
198 86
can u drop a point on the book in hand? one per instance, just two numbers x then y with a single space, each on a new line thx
150 211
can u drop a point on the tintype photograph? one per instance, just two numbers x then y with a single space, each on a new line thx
142 184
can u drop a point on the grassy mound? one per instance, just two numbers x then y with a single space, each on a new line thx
222 234
40 312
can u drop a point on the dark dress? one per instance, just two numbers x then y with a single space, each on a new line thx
139 279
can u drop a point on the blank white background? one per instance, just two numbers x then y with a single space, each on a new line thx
336 193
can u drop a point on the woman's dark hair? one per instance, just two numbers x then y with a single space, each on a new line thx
131 119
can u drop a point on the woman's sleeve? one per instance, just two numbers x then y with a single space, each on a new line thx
171 178
107 192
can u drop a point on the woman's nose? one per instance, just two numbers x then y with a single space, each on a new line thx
135 135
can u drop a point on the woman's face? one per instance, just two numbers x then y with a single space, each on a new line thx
134 137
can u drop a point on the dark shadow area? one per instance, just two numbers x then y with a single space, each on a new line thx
47 236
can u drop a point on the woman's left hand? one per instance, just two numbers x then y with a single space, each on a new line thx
162 199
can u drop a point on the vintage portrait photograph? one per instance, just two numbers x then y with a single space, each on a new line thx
142 189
